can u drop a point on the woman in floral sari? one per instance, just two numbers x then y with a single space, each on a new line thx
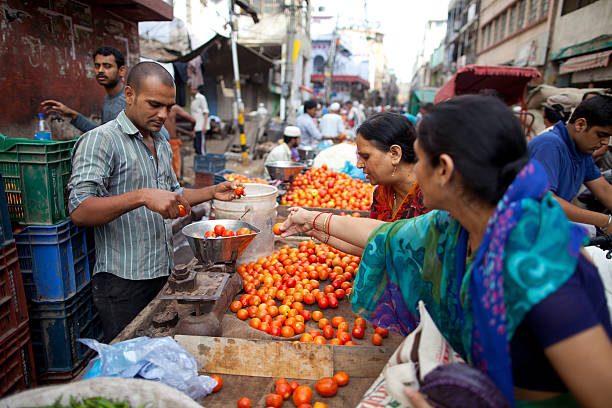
498 265
386 155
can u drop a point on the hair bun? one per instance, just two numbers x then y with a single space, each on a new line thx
508 173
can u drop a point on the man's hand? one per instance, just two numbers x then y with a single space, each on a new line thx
57 107
225 191
416 398
164 202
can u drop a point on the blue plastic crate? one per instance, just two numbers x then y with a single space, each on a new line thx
6 232
54 260
55 328
209 163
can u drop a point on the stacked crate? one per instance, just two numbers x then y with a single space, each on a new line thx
16 359
56 257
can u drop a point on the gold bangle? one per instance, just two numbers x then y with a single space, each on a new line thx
326 224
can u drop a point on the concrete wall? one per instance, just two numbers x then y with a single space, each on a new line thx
582 25
506 50
46 54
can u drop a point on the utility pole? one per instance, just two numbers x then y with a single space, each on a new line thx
289 65
331 60
239 108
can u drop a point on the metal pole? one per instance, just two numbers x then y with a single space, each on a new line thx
331 60
288 88
239 104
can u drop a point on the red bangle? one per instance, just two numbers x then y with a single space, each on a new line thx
315 220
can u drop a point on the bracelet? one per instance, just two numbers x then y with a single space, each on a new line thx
329 222
326 239
609 222
315 220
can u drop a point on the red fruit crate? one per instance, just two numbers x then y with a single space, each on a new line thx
13 305
16 362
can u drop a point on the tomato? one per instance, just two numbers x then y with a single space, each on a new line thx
182 210
305 406
335 342
343 326
255 322
210 234
317 315
302 395
358 332
319 405
323 302
242 314
309 298
276 228
281 380
219 381
319 340
328 332
227 233
283 389
360 321
274 400
377 339
219 229
244 402
340 293
235 306
322 323
293 385
239 191
341 378
275 330
326 387
243 231
343 336
287 331
382 332
336 320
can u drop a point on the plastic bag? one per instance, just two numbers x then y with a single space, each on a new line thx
352 171
158 359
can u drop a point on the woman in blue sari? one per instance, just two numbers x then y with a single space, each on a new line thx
498 265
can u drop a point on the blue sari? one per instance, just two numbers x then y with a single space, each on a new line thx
528 251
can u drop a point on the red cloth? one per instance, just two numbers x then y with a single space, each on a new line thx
382 204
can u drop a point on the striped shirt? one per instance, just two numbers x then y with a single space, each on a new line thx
113 159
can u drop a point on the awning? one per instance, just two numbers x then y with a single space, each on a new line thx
509 82
584 62
596 44
139 10
320 78
425 95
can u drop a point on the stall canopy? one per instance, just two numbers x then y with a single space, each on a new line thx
420 97
509 82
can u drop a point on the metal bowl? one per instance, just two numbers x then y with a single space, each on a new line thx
284 170
307 152
216 250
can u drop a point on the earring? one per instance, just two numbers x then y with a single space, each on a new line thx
394 168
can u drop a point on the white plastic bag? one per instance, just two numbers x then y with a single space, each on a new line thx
159 359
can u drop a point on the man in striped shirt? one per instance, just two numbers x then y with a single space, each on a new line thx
123 184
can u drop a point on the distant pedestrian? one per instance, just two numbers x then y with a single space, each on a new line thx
331 125
556 108
308 128
199 110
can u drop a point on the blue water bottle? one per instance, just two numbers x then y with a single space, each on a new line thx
43 132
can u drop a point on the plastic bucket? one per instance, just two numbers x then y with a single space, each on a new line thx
260 200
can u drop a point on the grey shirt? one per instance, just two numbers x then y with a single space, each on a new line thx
111 106
111 160
310 134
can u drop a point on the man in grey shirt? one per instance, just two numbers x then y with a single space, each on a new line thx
306 122
123 185
109 68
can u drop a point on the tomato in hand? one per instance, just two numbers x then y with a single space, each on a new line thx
302 395
341 378
219 381
327 387
244 402
219 229
274 400
276 228
182 210
239 191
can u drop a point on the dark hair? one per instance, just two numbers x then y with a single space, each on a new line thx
106 51
287 139
596 110
427 106
587 94
483 137
308 105
385 129
556 113
146 69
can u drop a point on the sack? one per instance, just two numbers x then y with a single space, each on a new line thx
421 352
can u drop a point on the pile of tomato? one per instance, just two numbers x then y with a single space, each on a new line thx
293 277
325 188
239 178
220 231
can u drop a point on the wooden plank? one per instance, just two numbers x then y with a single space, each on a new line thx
259 358
265 358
